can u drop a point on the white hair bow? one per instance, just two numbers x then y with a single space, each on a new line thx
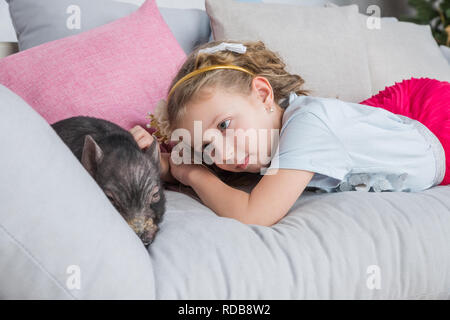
235 47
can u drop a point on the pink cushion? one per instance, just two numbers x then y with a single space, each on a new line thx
118 71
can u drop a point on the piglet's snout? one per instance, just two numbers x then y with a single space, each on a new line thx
144 228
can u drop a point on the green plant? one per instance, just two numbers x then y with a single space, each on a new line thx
436 13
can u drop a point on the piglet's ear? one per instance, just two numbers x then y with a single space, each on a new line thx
92 155
153 151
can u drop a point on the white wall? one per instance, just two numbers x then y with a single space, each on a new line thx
7 33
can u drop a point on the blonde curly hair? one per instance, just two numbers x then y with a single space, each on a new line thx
159 120
257 59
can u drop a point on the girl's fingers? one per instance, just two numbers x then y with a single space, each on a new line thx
145 141
141 136
139 133
141 144
134 129
148 140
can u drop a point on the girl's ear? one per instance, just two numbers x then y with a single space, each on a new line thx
263 90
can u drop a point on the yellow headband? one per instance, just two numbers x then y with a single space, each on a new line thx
204 69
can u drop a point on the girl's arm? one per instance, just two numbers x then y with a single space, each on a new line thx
269 201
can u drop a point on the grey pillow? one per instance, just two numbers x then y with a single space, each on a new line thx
325 46
56 224
40 21
402 50
446 52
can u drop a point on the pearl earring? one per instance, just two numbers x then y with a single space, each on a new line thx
271 109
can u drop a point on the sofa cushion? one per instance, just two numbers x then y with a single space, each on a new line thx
402 50
346 245
446 52
323 45
118 71
56 224
37 22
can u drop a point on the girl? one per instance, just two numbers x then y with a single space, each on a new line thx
324 143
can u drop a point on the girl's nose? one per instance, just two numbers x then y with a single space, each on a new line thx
226 152
229 156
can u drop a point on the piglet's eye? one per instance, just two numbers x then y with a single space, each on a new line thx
155 196
113 200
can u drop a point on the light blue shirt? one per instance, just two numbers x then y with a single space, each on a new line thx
352 146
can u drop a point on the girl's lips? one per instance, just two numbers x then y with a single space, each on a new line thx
244 165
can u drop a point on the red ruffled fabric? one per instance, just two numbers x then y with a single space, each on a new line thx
425 100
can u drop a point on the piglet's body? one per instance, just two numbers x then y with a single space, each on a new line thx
129 176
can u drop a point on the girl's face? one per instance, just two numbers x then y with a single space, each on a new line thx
218 110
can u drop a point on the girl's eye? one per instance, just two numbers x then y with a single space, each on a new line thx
222 127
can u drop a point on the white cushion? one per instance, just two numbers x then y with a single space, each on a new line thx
401 50
56 224
324 46
446 52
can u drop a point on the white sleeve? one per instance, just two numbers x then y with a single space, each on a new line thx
307 143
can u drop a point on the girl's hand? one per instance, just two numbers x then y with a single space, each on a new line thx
185 173
143 138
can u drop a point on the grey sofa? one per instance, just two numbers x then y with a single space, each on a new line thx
60 238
